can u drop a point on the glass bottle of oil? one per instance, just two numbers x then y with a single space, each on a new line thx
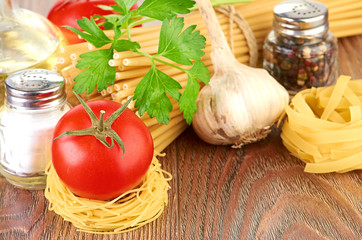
27 40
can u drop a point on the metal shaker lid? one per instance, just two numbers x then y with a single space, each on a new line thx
301 18
35 89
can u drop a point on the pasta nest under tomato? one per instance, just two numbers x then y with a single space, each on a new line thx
125 213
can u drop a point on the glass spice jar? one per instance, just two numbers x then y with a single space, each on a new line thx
35 101
300 52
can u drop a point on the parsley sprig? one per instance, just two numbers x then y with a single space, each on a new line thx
182 46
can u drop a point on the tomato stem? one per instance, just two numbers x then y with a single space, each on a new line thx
101 129
101 121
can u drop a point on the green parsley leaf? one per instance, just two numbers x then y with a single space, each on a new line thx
98 73
114 21
124 19
162 9
199 71
125 45
92 33
104 7
188 99
150 94
110 20
121 7
125 5
180 47
117 33
161 110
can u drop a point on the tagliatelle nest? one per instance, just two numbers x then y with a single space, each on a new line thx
127 212
323 127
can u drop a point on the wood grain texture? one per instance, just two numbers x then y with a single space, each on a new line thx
261 192
257 192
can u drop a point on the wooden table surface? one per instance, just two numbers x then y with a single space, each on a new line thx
257 192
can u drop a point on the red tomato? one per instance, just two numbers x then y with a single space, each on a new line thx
90 169
67 12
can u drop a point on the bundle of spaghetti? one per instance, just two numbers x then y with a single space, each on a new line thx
324 127
131 67
148 39
345 17
127 212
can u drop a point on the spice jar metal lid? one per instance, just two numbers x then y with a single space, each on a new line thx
301 18
35 89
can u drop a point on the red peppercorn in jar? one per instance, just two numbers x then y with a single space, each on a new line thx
300 52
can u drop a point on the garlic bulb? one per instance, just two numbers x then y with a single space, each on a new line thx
241 103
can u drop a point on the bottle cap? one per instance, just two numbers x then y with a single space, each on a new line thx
35 89
301 18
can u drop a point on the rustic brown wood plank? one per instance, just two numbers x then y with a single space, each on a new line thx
350 56
261 192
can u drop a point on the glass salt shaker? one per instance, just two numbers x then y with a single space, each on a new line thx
35 101
301 52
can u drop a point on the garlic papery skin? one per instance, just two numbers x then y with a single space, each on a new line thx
239 105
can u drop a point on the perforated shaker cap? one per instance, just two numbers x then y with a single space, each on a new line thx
301 18
35 89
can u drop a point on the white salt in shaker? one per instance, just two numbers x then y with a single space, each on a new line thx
35 101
